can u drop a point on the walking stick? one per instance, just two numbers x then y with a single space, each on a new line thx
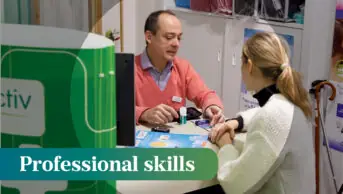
319 123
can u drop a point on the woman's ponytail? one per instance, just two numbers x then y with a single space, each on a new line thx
290 85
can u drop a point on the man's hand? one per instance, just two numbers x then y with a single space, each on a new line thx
161 114
219 130
214 114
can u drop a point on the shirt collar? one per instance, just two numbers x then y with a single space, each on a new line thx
146 63
263 95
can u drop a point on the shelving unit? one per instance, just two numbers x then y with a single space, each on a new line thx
281 24
170 4
258 20
218 39
185 10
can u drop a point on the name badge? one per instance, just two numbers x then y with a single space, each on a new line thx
177 99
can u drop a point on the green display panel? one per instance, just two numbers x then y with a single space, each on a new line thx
58 90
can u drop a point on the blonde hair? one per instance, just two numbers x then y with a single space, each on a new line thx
270 53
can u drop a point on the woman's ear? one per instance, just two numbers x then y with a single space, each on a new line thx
250 66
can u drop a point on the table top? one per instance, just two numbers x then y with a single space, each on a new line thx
191 128
188 128
177 187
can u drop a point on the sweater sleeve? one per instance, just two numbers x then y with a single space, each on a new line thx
198 92
247 117
247 172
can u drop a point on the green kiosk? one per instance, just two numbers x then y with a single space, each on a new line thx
58 90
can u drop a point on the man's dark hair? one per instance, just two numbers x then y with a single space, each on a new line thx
151 23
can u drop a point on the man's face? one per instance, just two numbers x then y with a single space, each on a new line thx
165 43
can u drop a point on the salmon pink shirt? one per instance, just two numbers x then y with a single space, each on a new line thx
183 83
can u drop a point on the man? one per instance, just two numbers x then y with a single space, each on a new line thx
164 81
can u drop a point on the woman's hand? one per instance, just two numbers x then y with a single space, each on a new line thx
224 140
220 129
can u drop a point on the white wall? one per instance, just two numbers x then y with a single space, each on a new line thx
72 14
130 28
111 18
317 40
202 45
232 80
111 15
316 61
143 9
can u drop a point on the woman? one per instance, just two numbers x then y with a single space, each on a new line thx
278 155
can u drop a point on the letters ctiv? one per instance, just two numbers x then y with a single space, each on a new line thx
13 99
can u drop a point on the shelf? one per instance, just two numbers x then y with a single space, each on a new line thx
185 10
282 24
260 21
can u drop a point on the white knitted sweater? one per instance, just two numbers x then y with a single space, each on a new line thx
278 155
